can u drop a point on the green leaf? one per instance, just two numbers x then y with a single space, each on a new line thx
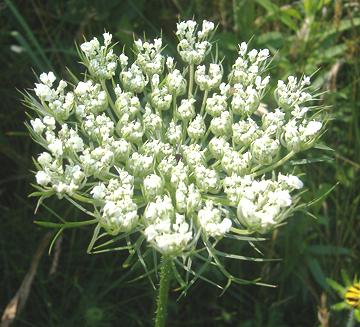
288 21
274 10
317 272
345 277
340 306
329 250
273 40
240 257
324 192
30 35
323 146
57 235
311 7
344 25
357 315
307 161
269 6
336 286
93 238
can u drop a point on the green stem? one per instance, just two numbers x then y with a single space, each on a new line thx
71 224
82 198
191 81
175 114
184 131
240 231
351 321
204 102
275 165
162 299
111 102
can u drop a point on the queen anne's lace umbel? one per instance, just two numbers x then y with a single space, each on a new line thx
178 155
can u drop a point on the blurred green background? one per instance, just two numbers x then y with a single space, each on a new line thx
72 288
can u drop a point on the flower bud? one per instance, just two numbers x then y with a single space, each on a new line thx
176 83
196 128
221 126
216 105
186 110
153 186
264 150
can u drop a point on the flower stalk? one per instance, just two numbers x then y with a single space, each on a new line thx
163 292
191 81
351 320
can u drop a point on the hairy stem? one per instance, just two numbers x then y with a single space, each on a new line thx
162 299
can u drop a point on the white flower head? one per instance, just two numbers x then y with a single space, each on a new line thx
42 178
186 110
37 125
107 38
153 186
171 154
48 79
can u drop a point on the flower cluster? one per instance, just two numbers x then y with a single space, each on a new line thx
178 156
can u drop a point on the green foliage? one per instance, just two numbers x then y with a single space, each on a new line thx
312 36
